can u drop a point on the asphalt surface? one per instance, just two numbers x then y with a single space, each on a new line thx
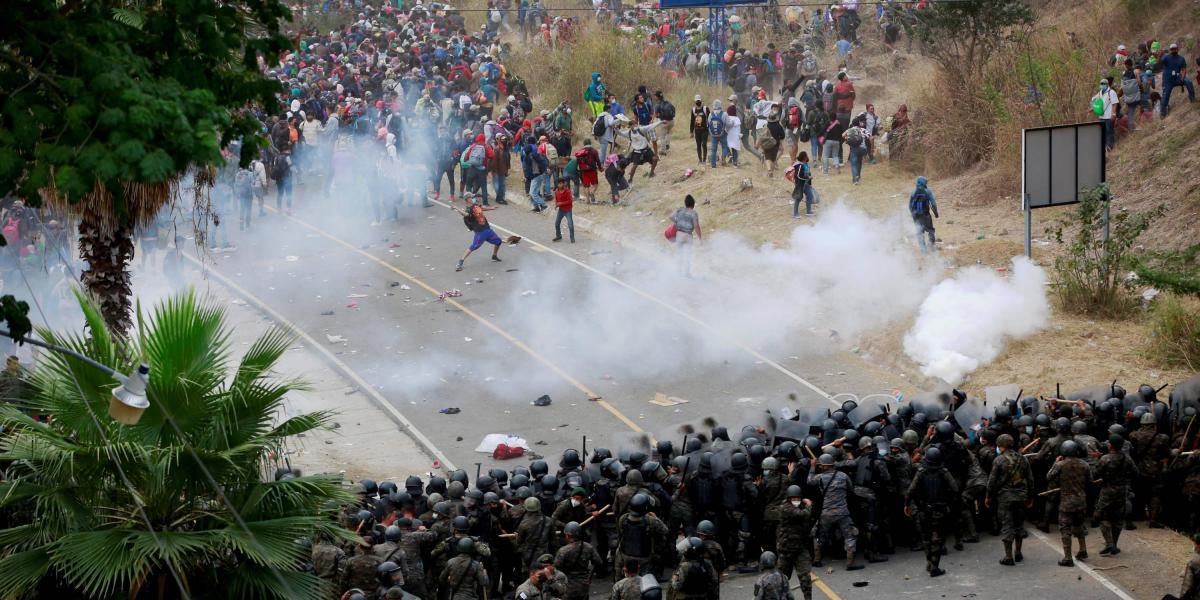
600 342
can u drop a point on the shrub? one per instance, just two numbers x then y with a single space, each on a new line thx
1174 339
1176 271
1088 277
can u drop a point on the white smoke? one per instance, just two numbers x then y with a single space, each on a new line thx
966 320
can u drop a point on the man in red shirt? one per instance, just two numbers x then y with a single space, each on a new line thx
843 97
564 202
588 161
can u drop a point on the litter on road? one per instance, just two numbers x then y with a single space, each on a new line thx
449 294
492 440
453 410
544 400
335 339
291 258
661 399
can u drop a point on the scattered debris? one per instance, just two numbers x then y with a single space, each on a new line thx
544 400
504 452
860 584
351 391
512 240
529 293
449 294
492 441
467 339
291 258
352 305
404 286
357 296
240 302
335 339
599 252
327 313
661 399
458 439
511 270
394 245
746 185
394 284
337 425
540 443
453 410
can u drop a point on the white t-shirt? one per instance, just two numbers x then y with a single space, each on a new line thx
1110 102
733 132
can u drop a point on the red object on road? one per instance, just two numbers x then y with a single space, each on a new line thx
504 451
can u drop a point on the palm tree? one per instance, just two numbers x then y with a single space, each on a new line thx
91 508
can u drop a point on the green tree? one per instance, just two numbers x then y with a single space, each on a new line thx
962 36
106 104
95 509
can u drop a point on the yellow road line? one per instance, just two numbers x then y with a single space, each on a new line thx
370 390
667 305
825 589
482 320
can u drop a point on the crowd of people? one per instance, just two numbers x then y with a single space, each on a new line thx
801 490
1148 77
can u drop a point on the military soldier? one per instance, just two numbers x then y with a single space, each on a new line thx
1190 588
414 543
834 487
633 484
707 532
774 488
629 588
639 534
931 496
327 560
535 534
464 577
1010 493
1150 451
391 575
531 588
579 561
1115 471
695 578
794 539
680 517
1047 454
361 570
771 585
390 548
1071 475
870 475
574 508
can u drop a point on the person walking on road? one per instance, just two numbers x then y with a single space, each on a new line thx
687 224
478 223
920 204
564 202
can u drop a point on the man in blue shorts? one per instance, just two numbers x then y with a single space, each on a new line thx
473 218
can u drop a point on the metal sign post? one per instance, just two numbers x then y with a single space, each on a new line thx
1058 164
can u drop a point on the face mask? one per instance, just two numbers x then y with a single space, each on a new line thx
796 503
1029 430
574 502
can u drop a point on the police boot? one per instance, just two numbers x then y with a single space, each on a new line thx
1066 561
817 556
850 564
1017 556
1107 533
936 570
1008 555
1082 554
1116 537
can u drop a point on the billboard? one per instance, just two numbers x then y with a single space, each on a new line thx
1059 162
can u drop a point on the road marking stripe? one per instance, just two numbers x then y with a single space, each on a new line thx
824 588
395 414
733 341
482 320
1104 581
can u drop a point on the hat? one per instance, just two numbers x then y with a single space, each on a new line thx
1103 82
622 118
545 559
698 98
733 97
578 491
1173 47
1120 47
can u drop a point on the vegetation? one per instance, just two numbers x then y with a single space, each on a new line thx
1175 271
1175 332
1088 276
107 104
963 36
177 502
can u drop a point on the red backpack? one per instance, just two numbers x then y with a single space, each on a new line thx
584 159
793 117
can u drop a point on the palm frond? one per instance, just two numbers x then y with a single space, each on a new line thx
20 572
254 581
99 562
129 18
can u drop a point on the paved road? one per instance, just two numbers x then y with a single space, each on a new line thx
599 329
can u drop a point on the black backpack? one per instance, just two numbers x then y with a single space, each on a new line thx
599 126
667 111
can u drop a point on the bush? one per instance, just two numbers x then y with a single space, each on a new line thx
1088 277
1176 271
1175 332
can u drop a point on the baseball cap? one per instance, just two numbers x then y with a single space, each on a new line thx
698 98
1173 47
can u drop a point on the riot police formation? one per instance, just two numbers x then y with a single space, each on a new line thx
800 489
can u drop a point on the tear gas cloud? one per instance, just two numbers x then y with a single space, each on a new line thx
966 320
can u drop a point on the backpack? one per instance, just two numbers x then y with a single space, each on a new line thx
666 111
1098 106
855 137
12 230
805 133
793 117
599 126
280 167
699 119
1131 90
716 126
476 156
583 158
918 204
809 65
769 142
827 101
243 183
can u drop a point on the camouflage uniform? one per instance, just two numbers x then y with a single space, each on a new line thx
1010 486
772 585
774 488
1117 471
361 572
834 487
695 579
793 541
715 554
535 537
464 578
327 561
637 539
578 561
629 588
1190 588
528 590
1150 449
414 568
1071 475
931 495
